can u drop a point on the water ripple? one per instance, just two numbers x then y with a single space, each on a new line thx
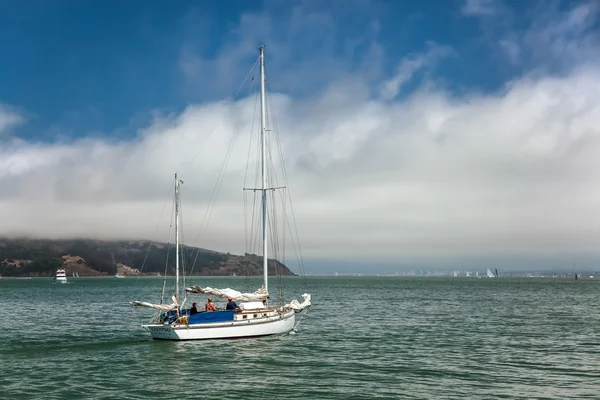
365 338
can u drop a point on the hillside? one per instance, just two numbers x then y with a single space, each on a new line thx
32 257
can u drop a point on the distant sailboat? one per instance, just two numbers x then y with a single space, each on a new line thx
489 274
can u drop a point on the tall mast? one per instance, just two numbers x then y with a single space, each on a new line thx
263 140
177 237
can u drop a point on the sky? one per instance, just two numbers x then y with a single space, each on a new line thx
448 135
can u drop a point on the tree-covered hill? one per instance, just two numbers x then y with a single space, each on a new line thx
35 257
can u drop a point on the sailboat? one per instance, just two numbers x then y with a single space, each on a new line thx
255 315
489 274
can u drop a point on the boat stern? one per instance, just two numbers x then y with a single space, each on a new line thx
162 332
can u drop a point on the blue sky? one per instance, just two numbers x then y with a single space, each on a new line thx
78 68
433 132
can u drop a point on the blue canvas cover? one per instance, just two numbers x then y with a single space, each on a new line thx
211 316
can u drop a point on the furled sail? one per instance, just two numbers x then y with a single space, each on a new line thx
260 294
159 307
296 305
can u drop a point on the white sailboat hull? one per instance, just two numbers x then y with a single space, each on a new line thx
224 330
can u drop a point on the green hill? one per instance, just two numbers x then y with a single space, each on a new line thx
35 257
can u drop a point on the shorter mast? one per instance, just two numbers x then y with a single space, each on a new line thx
177 182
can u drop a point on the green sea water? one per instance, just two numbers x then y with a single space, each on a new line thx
364 338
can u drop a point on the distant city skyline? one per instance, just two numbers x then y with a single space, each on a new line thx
435 134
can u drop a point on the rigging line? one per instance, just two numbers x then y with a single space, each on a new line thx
254 239
251 248
255 226
232 99
248 233
275 247
256 207
301 317
155 230
216 188
273 222
213 197
285 177
281 252
283 199
283 239
256 247
258 241
162 295
182 248
248 227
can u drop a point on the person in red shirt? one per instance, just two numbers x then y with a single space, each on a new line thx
210 306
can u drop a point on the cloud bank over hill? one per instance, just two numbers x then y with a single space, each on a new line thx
376 171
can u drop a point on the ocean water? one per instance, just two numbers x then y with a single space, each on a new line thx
364 338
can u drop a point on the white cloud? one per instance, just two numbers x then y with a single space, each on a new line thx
308 44
427 175
411 65
544 35
564 37
479 7
512 50
8 118
430 176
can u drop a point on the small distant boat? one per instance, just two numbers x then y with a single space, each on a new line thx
61 276
119 276
489 274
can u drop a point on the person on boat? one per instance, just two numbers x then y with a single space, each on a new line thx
231 305
194 309
210 306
